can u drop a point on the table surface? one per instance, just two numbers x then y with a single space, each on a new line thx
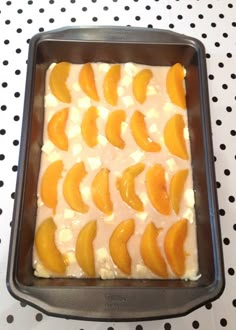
211 21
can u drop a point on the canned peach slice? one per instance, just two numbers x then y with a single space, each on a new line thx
71 188
177 188
113 128
140 83
140 134
175 85
101 192
89 129
57 82
48 253
150 251
49 183
174 137
56 129
84 251
87 81
157 189
110 83
174 246
126 186
118 245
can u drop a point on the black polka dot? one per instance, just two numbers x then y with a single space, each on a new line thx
14 168
30 2
39 317
10 319
231 271
234 24
222 146
23 304
1 183
4 84
225 86
209 6
218 122
8 3
41 10
63 9
208 55
19 30
3 107
200 16
233 75
116 18
7 22
19 11
192 25
150 26
73 19
234 226
208 305
213 24
168 7
51 2
167 326
214 99
2 156
84 8
72 1
225 35
228 109
6 42
127 8
110 328
41 29
217 44
171 26
218 185
180 17
234 302
226 241
189 6
95 19
51 20
137 18
195 324
18 50
204 35
221 65
229 55
221 16
29 21
0 211
223 322
233 132
139 327
158 17
231 199
2 131
105 8
17 94
222 212
227 172
15 142
148 7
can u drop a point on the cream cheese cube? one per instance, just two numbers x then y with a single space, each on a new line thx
52 157
48 147
65 235
84 102
50 100
127 100
94 162
103 112
68 214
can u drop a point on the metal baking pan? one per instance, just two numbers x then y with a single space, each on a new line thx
119 299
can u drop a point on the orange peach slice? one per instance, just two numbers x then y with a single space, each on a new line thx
126 186
49 182
89 129
118 245
174 246
101 192
175 85
150 251
87 81
177 188
57 82
110 83
157 190
140 83
174 137
84 248
56 129
139 132
47 251
71 188
113 128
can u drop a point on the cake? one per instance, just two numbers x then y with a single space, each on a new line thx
115 188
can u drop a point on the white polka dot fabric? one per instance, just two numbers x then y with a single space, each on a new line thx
211 21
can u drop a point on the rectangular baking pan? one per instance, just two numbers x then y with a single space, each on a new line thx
119 299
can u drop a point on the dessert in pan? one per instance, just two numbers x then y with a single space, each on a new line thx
115 189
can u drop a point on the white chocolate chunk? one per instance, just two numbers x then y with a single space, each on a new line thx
153 128
120 91
65 235
48 147
102 140
84 102
126 81
103 67
94 162
189 197
75 114
50 100
137 155
127 100
73 131
103 112
76 149
68 214
151 90
53 156
171 163
188 214
186 133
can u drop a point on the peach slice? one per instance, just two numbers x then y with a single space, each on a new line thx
175 85
126 186
140 83
84 248
71 189
174 246
57 82
177 188
56 129
101 192
110 83
174 137
113 128
46 248
156 189
150 251
87 81
89 129
118 245
49 182
139 132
